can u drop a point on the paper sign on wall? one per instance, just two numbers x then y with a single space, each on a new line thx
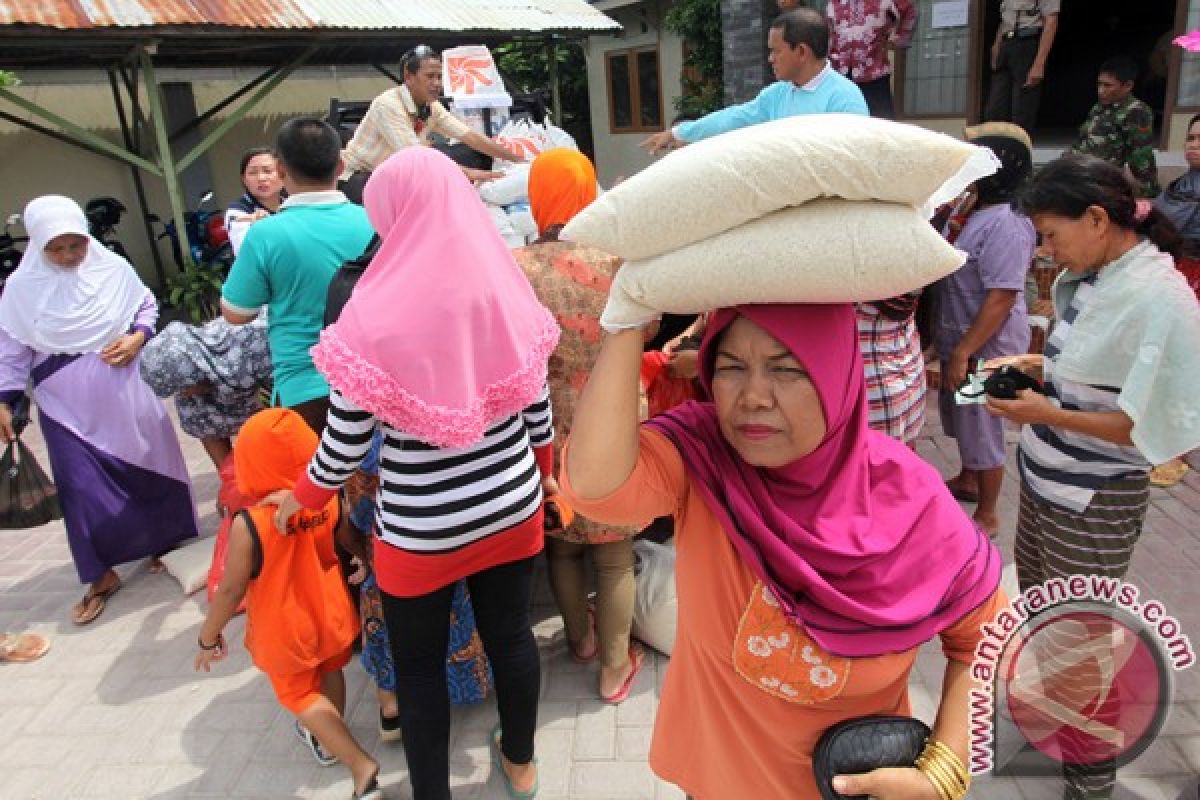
950 14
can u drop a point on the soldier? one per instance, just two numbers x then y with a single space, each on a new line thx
1120 128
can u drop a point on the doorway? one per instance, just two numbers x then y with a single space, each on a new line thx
1089 33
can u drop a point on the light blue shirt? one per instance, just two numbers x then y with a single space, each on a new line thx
828 92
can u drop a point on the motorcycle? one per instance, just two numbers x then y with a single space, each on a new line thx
103 215
10 252
207 239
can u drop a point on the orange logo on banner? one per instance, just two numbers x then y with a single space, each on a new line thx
468 73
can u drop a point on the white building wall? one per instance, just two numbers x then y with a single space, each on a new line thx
617 154
32 164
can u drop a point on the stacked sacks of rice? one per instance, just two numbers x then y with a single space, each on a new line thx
817 209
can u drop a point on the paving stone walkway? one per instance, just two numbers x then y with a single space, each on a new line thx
115 710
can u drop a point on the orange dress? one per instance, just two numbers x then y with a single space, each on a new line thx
747 693
298 614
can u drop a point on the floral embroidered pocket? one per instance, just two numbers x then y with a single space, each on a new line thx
776 656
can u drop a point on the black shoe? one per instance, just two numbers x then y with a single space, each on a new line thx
389 728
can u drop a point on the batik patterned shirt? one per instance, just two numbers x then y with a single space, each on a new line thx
860 31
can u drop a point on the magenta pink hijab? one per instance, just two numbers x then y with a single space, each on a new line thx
443 335
860 540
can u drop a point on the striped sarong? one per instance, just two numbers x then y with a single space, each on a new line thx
1053 542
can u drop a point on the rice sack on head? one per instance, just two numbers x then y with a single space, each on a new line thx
825 251
720 183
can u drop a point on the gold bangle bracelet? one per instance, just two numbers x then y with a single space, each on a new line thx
942 792
941 779
952 759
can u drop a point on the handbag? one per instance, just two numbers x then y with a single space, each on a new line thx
862 744
28 497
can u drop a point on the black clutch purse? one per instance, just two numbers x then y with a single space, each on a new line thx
863 744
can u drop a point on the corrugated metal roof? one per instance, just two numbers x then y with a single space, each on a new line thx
277 15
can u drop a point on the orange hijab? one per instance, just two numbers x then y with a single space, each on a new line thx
562 182
272 451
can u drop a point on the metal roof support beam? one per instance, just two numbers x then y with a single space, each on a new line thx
81 135
221 106
241 111
555 91
387 73
53 134
138 185
169 171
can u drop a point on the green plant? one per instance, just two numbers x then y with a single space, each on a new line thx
8 79
196 290
698 22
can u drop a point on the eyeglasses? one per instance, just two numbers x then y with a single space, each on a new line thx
412 60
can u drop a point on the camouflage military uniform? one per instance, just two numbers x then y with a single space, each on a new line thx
1123 134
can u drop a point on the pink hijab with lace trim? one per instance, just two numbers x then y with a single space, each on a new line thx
443 335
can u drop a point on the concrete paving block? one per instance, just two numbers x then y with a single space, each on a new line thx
41 783
633 744
612 780
667 791
595 732
112 781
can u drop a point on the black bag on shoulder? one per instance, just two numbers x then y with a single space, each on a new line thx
345 279
28 497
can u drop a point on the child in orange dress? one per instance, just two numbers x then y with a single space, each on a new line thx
300 623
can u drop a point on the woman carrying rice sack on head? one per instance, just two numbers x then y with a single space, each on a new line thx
1121 383
572 280
444 345
73 318
803 541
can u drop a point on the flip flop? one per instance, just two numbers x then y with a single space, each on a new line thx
85 612
21 648
498 763
637 657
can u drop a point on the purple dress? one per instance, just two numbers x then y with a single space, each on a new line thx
999 244
122 481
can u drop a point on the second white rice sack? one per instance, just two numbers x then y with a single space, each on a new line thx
719 183
826 251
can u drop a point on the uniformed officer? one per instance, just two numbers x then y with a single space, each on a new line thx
1019 54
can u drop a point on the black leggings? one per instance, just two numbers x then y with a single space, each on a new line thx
419 629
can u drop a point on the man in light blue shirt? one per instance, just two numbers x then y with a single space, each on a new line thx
806 84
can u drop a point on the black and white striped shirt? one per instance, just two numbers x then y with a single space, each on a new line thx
436 500
1061 467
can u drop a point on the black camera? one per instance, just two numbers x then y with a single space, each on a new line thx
1004 383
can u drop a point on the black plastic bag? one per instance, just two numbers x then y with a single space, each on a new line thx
28 497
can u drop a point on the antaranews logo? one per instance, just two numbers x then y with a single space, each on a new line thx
1075 671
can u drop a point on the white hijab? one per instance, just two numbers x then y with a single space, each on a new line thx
56 310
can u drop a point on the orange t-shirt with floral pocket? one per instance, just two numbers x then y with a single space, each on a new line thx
748 692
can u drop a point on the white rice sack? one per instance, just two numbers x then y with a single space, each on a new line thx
655 607
512 188
190 564
719 183
826 251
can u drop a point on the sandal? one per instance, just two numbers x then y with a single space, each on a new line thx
636 659
21 648
1167 475
498 763
93 603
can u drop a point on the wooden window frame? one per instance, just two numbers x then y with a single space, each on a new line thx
635 92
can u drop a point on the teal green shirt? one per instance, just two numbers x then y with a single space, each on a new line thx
286 263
